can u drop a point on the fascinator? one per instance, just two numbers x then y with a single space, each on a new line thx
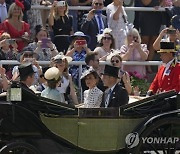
20 4
100 36
59 57
129 28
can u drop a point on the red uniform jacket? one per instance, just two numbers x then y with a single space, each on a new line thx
170 81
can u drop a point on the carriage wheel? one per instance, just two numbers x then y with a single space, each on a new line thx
19 148
169 128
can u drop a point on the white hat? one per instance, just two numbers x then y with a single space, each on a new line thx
61 56
52 73
113 53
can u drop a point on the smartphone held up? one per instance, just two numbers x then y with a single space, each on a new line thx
81 42
61 3
10 41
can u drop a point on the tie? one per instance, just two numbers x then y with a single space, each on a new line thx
100 24
3 12
107 98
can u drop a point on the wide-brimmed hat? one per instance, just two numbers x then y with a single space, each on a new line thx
79 34
166 47
111 71
61 56
52 74
27 50
25 70
87 72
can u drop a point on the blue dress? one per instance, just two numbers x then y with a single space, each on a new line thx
52 94
74 70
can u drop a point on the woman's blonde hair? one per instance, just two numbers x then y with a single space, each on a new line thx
11 9
5 35
56 15
133 32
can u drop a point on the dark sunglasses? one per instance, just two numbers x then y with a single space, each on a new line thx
107 38
41 76
115 61
28 55
100 4
58 61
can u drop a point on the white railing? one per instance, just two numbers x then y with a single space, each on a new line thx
80 63
41 7
154 63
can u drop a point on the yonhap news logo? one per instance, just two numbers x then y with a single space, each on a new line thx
133 139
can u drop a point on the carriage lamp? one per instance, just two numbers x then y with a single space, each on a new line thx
14 92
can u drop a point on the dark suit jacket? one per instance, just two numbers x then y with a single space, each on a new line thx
118 97
91 28
29 99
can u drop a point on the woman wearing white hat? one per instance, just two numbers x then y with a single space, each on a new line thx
66 87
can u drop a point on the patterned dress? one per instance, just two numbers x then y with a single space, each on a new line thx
74 70
118 26
92 98
34 17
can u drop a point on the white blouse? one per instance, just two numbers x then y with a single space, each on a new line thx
93 98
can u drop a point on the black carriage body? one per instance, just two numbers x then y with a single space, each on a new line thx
60 128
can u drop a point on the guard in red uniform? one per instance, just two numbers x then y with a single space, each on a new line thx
168 75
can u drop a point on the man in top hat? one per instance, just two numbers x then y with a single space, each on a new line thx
115 95
168 75
26 74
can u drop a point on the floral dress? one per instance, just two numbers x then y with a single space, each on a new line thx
93 98
118 26
44 54
74 70
34 17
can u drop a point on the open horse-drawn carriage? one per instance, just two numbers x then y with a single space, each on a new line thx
148 125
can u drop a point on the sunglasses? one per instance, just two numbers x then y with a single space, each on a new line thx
115 61
100 4
28 55
58 61
41 76
107 38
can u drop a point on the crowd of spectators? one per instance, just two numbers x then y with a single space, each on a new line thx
89 36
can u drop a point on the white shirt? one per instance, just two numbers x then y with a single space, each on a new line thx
3 12
166 71
108 96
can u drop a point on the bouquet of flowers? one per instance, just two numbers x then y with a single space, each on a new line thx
139 83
